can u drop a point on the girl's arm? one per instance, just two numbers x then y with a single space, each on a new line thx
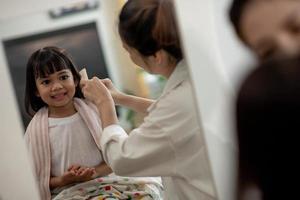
75 173
102 170
60 181
55 182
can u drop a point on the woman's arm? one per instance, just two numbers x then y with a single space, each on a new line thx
135 103
95 91
104 95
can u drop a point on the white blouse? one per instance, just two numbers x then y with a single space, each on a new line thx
169 144
71 143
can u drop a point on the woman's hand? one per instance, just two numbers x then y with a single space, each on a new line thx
115 93
95 91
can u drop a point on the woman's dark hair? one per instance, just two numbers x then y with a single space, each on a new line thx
149 26
41 63
235 15
268 125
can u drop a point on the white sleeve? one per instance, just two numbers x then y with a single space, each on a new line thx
145 152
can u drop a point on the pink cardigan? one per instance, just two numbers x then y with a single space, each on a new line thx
37 140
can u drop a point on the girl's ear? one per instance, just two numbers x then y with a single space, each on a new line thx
76 82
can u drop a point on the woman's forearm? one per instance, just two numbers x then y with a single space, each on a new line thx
107 113
138 104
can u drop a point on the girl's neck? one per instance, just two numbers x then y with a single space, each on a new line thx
59 112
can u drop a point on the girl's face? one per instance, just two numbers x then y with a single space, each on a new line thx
57 91
272 27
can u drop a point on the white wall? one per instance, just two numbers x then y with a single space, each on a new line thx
15 170
18 8
16 177
217 64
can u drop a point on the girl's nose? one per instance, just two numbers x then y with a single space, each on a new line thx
56 86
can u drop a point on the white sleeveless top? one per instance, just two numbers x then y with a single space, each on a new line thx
71 143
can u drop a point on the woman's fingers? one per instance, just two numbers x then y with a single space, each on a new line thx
107 82
94 90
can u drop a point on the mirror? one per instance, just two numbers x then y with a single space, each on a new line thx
32 27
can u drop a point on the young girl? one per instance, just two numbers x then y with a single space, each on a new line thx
63 136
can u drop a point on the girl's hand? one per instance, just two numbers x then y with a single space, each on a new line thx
95 91
85 174
68 177
82 173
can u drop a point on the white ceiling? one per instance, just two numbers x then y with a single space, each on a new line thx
18 8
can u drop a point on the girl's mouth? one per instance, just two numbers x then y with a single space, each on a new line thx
59 96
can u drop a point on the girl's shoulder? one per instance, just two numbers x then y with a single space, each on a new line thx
39 118
84 102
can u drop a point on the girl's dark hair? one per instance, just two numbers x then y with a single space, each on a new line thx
267 111
149 26
41 63
235 15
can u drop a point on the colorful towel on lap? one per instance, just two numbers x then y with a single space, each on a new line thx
115 188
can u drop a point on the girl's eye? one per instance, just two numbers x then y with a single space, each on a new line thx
64 77
45 82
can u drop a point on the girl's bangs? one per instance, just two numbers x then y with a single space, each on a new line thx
50 66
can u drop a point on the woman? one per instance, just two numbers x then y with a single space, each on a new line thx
269 28
169 143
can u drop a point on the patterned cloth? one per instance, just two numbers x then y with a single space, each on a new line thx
115 188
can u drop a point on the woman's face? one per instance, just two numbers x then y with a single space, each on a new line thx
137 58
272 27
